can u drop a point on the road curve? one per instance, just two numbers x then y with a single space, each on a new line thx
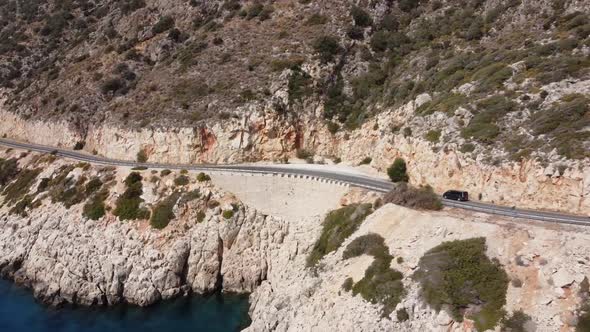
354 180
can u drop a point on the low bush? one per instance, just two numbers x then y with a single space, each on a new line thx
189 196
397 172
458 274
92 186
415 198
433 136
228 214
516 322
366 161
163 213
16 190
338 225
128 204
584 318
370 244
447 103
381 284
182 180
24 205
95 208
142 156
202 177
129 6
483 127
467 147
299 85
165 172
327 48
361 17
8 170
564 124
165 23
201 216
113 85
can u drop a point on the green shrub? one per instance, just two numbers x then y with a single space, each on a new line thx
165 23
304 154
201 216
584 318
516 322
299 85
8 170
332 127
564 124
460 275
400 260
92 186
16 190
254 10
447 103
165 172
338 225
21 207
483 127
422 198
202 177
407 133
189 196
129 6
366 161
397 172
361 17
327 47
142 156
467 147
228 214
492 77
95 208
381 284
163 213
128 204
370 244
182 180
114 85
433 136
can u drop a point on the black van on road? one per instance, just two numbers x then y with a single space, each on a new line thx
456 195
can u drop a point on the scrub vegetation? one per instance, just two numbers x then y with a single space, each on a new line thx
458 276
337 227
381 284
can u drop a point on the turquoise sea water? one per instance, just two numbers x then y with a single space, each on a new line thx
217 313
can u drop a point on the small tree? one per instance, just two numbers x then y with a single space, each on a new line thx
397 171
142 156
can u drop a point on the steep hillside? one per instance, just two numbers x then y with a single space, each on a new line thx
494 83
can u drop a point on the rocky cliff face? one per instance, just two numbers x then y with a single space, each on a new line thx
261 135
66 257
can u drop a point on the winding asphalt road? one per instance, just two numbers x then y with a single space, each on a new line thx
354 180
